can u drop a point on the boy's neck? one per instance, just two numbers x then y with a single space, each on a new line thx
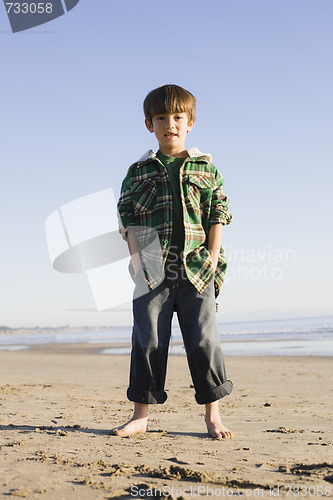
173 152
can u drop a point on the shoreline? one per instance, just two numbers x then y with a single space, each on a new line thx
103 348
58 405
300 337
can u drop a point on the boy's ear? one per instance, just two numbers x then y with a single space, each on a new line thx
190 125
149 126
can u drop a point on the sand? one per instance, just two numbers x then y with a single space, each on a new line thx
58 404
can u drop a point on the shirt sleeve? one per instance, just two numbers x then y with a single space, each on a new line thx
219 213
125 208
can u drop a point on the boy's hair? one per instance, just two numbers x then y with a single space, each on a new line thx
169 99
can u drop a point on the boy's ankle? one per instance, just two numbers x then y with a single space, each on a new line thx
140 411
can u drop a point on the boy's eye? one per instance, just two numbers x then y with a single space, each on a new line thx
160 118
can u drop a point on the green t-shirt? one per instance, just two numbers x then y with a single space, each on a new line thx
173 164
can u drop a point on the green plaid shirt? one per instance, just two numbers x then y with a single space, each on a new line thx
146 203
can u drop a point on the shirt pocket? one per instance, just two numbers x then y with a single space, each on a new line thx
144 195
198 189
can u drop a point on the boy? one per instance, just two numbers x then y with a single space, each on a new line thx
177 195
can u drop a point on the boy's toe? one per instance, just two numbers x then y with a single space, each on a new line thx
114 432
225 435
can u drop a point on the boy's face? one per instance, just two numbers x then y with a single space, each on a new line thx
170 130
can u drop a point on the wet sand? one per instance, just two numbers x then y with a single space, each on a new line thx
58 404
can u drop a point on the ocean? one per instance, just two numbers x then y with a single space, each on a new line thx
288 337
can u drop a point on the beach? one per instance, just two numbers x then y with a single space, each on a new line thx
58 403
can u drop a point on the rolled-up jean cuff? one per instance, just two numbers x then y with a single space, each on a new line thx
212 395
147 397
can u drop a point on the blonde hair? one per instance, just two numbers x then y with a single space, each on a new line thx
169 99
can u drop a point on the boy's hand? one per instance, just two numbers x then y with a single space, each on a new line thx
136 268
214 257
134 251
214 243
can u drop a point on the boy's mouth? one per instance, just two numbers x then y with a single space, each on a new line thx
169 135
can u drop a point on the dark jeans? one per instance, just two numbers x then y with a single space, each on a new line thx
152 314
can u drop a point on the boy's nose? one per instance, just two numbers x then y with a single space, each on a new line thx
169 123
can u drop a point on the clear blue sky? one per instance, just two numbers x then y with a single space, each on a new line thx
72 122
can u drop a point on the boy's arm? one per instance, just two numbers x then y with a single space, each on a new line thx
219 217
126 220
134 249
126 216
219 212
215 242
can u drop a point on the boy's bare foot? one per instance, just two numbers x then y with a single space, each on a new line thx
214 425
218 431
138 423
133 426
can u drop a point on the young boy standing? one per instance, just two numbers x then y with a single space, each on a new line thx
178 195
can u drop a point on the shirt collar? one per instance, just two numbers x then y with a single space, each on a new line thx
193 153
